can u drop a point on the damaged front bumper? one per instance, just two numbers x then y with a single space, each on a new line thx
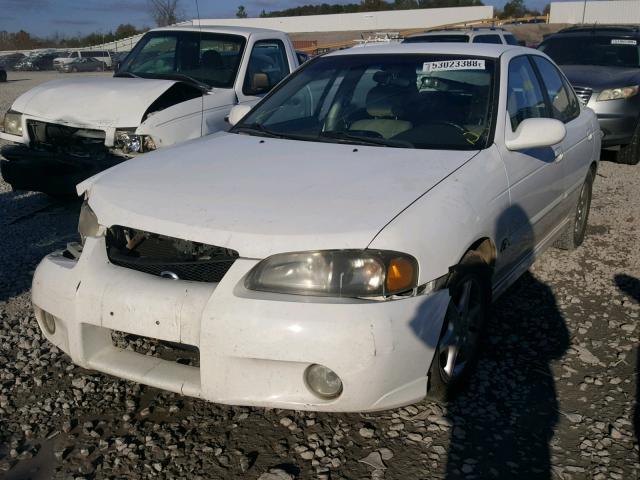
26 168
54 158
254 348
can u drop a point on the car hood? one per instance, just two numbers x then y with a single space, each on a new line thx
261 196
92 102
599 78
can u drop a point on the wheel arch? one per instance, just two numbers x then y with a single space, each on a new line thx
486 248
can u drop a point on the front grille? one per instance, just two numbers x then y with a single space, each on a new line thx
62 138
583 93
167 256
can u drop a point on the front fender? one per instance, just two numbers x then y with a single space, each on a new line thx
439 228
175 124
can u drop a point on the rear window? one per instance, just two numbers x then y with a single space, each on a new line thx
438 39
602 50
511 40
487 39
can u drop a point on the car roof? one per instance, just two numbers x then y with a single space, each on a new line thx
243 31
600 28
462 31
476 49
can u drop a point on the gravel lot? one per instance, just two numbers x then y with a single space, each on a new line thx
553 396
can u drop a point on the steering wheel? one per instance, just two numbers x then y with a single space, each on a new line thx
467 134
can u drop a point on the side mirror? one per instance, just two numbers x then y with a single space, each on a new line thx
260 83
535 133
237 113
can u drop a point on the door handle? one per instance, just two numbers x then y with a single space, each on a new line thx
589 135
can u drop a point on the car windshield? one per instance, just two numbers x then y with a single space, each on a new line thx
608 51
455 38
410 101
208 58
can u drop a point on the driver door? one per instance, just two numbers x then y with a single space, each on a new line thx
536 177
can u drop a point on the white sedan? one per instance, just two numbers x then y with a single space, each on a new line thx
338 248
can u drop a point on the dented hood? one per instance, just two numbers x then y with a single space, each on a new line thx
92 102
261 196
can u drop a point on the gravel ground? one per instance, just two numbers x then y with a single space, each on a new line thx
553 395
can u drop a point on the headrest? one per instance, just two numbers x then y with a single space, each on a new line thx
384 101
400 78
211 58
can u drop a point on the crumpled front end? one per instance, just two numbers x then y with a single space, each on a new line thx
244 347
56 157
60 138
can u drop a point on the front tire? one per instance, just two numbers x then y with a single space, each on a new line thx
456 353
630 154
574 233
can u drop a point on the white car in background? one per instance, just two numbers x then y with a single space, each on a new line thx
103 56
338 248
492 35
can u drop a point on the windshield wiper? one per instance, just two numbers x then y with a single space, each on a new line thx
257 128
183 76
126 74
357 139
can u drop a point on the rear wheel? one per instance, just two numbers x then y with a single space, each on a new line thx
457 349
630 154
574 233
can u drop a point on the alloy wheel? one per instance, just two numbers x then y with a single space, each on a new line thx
581 212
456 347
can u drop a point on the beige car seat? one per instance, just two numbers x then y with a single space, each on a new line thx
383 104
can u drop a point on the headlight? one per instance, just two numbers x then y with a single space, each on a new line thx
129 142
618 93
13 123
88 225
336 273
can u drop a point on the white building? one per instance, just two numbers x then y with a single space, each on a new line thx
596 11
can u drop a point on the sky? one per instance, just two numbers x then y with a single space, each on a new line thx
71 17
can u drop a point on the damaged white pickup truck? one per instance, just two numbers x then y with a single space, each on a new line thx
177 84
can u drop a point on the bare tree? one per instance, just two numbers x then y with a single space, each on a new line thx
164 12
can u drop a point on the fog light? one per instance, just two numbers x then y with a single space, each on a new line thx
322 381
49 323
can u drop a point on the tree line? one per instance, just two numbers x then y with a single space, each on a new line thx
25 41
167 12
513 8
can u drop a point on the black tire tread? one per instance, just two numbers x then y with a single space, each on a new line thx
567 240
630 154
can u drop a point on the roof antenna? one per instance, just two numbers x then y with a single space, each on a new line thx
200 61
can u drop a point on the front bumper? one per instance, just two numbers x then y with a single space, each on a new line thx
618 119
254 347
25 168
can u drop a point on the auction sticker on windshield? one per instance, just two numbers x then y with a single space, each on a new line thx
623 41
449 65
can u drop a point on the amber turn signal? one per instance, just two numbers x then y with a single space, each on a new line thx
401 275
